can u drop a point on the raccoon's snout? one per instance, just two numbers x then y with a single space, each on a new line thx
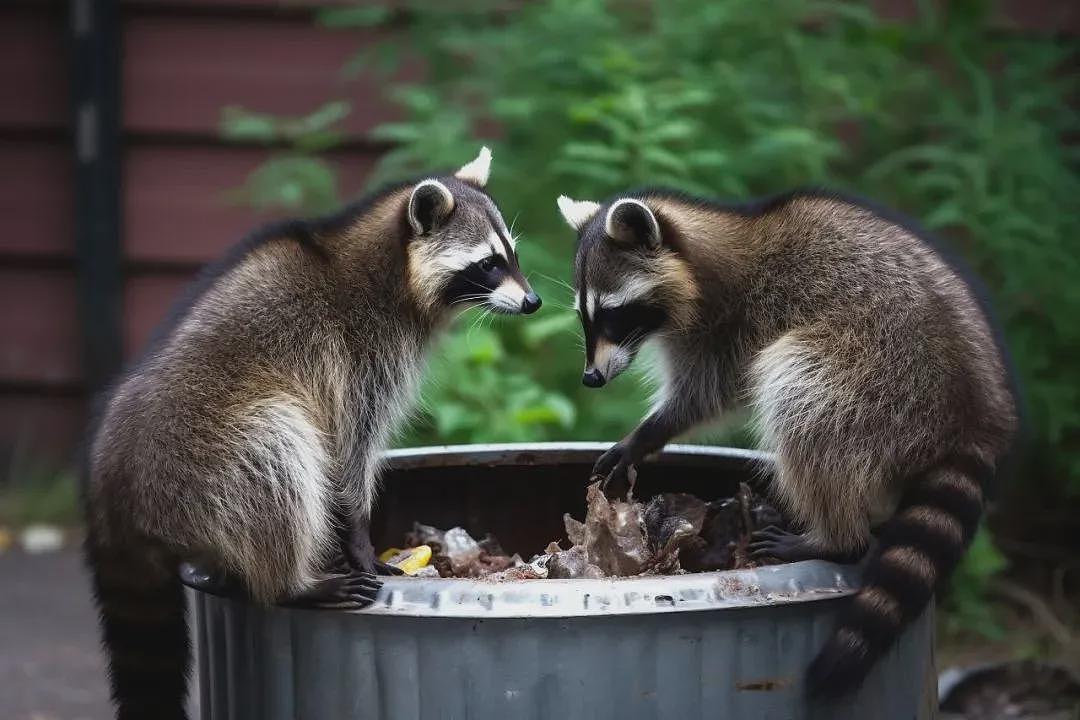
531 303
592 378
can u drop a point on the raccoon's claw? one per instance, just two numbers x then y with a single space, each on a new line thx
617 484
346 591
382 568
607 462
612 471
361 558
775 542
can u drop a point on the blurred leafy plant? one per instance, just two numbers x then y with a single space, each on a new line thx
295 178
965 605
479 397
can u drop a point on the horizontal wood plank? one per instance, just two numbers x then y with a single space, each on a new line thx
36 199
180 204
148 298
180 72
33 68
39 327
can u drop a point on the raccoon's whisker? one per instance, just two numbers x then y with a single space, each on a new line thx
470 298
559 282
564 307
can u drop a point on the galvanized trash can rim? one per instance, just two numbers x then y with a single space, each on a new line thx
466 598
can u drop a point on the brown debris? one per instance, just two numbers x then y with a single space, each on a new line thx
671 533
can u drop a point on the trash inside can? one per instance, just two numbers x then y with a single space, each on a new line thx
729 644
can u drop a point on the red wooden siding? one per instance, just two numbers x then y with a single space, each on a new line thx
35 198
33 68
39 327
179 73
147 299
178 200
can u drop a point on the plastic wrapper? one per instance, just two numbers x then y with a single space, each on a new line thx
462 550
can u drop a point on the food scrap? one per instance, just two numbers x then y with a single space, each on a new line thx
669 534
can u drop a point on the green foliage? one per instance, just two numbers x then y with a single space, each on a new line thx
477 394
295 178
37 492
965 605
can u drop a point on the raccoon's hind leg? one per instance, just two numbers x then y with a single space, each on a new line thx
281 539
826 472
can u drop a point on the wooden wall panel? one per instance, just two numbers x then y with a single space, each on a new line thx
36 198
148 297
177 204
33 68
39 327
180 72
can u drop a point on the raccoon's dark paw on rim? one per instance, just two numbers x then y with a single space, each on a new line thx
774 542
382 568
346 591
361 559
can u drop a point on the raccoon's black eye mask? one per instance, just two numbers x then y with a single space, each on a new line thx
478 278
633 321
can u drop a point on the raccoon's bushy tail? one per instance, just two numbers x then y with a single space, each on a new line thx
144 627
918 549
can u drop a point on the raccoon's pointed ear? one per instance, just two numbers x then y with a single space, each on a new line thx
477 171
576 212
429 205
632 222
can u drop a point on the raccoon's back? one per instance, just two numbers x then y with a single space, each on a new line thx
899 340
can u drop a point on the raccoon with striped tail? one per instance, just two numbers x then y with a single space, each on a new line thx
868 360
248 437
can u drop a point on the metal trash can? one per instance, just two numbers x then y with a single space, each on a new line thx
710 645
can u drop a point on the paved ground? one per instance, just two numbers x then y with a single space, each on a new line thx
50 664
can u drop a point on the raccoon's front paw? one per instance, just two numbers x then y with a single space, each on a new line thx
775 542
339 591
612 470
361 558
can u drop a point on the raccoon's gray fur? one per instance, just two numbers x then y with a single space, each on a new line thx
868 361
248 438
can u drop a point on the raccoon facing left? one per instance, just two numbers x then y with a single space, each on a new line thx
248 438
867 357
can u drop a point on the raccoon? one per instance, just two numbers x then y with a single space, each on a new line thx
868 361
248 437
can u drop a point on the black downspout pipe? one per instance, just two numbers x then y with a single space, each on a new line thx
94 27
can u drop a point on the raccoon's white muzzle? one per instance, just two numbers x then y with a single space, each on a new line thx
609 360
511 298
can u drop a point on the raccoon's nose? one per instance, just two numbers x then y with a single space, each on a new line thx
531 303
592 378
